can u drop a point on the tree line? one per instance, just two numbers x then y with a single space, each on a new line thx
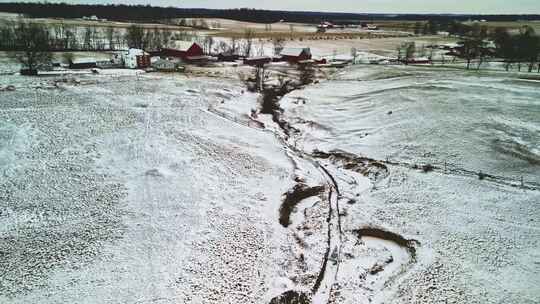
480 43
62 37
517 49
151 13
32 43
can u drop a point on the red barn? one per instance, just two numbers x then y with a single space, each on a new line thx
295 55
183 50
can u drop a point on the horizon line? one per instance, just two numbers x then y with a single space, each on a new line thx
274 10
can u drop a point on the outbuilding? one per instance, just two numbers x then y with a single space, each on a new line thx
257 61
183 50
164 65
83 63
228 57
295 55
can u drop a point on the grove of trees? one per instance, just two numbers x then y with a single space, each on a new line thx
523 47
32 41
520 48
479 43
62 37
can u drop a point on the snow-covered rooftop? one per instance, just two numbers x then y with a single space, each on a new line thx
294 51
182 45
83 60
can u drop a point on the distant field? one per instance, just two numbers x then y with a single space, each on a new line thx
233 25
5 17
410 25
511 25
309 35
407 26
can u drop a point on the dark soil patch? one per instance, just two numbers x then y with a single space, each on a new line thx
410 244
369 167
292 297
293 197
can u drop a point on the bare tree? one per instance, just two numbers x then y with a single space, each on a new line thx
135 37
96 40
110 37
354 54
33 43
87 44
119 39
248 41
7 37
223 47
234 45
157 41
165 38
278 44
291 29
208 44
529 46
406 52
260 47
255 81
471 48
307 74
418 28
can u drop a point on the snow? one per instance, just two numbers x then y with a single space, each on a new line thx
126 187
474 235
134 192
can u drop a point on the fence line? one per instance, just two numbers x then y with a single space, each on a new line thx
445 168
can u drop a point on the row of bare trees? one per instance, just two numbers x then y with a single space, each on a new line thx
62 37
33 43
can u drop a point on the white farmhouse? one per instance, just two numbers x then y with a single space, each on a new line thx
136 58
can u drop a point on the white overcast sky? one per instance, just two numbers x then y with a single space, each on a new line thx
353 6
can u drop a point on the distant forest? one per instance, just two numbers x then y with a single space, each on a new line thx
152 13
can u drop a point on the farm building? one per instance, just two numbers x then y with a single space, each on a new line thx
418 61
183 50
199 59
83 63
228 56
164 65
136 59
295 55
257 61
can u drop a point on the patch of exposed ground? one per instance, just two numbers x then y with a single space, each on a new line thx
386 235
371 168
292 297
294 196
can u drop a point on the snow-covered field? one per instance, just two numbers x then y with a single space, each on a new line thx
479 239
127 190
127 187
